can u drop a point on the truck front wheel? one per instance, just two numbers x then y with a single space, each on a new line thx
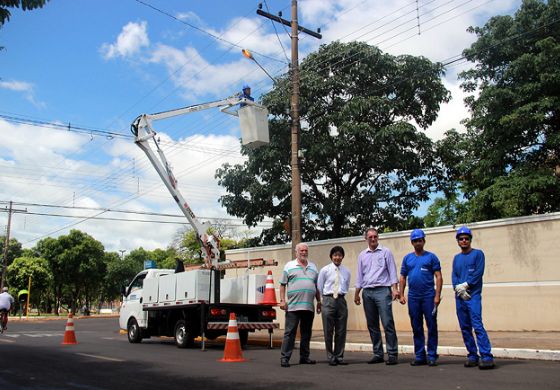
184 336
134 332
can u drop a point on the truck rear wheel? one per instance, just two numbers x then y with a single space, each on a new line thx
134 332
184 337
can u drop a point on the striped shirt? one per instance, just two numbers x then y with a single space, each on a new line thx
301 285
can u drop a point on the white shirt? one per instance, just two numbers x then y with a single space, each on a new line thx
6 301
325 283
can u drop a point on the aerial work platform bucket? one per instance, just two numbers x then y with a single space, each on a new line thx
253 122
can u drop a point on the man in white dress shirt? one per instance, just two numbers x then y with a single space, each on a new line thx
333 284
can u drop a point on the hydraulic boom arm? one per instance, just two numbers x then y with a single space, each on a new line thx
144 133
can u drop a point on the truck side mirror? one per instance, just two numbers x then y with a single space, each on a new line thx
123 291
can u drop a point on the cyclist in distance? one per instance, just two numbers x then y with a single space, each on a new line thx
6 302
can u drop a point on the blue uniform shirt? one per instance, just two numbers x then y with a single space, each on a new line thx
420 272
469 268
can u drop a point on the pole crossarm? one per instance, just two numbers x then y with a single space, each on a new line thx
288 23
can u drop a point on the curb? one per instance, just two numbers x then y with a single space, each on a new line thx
505 353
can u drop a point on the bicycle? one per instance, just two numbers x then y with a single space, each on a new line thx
3 320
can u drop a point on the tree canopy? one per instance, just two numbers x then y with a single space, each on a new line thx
508 162
25 5
365 162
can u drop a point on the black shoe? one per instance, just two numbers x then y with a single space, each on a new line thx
333 363
376 360
392 361
307 361
432 363
418 363
284 363
486 364
471 363
341 363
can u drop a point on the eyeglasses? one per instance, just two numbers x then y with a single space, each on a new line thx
463 239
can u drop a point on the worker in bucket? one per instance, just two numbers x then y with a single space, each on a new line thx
246 93
420 268
468 269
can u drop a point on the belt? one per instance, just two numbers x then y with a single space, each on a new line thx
332 296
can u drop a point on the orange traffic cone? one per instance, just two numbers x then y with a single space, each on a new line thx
69 335
269 292
232 351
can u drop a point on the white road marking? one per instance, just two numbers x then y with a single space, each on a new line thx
100 357
7 341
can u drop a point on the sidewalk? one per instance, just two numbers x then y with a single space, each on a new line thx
511 345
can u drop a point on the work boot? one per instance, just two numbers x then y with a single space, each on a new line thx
471 363
486 364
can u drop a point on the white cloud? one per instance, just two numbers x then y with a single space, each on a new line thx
131 40
26 88
194 75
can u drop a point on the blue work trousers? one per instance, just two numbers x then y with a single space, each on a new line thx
418 310
378 303
469 314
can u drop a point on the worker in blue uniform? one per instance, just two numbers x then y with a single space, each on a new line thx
421 268
246 93
468 269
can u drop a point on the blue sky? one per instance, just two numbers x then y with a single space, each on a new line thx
98 65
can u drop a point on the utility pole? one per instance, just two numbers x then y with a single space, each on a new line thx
294 114
10 210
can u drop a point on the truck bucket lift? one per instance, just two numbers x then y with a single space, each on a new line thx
254 133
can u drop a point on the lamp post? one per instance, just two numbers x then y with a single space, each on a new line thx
122 253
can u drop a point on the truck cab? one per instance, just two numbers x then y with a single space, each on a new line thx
132 317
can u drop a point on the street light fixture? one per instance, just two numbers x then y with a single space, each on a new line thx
122 253
249 55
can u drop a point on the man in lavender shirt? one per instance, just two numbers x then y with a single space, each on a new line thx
377 276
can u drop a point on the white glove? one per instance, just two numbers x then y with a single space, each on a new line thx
464 295
461 288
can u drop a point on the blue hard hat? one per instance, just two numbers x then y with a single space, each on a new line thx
463 230
245 86
416 234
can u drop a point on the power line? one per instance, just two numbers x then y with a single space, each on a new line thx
202 30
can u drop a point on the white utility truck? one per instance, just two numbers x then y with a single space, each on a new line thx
185 304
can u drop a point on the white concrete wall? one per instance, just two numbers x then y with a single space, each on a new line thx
521 280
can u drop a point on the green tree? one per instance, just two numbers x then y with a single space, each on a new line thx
508 162
14 249
365 163
119 273
83 266
37 268
445 211
25 5
77 265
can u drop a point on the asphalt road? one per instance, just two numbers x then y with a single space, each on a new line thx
32 357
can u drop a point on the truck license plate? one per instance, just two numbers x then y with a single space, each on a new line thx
242 319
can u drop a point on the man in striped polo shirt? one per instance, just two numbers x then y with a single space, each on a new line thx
299 280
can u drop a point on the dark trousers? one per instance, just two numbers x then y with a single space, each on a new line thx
303 318
418 309
335 317
378 303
